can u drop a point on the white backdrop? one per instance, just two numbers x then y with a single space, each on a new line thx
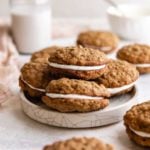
73 8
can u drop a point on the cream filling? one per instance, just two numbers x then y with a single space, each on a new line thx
73 96
120 89
32 87
142 65
105 49
74 67
140 133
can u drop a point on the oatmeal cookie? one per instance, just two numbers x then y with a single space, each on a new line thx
83 143
43 54
102 40
137 54
71 95
78 62
34 78
137 122
119 77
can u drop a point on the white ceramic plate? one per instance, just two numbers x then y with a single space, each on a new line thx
111 114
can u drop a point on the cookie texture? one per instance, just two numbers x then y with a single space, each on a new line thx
73 86
75 105
136 54
83 143
138 118
36 74
142 141
79 87
28 90
143 70
78 56
43 54
118 73
76 74
98 40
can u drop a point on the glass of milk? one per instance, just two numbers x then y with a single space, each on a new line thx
31 24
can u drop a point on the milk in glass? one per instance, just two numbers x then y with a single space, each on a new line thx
31 24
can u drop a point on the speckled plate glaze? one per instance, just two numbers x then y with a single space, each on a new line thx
111 114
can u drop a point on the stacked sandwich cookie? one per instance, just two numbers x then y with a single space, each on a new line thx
35 75
60 77
78 62
75 92
75 79
34 78
71 95
137 122
119 77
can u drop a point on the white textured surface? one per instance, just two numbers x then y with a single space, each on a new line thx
19 132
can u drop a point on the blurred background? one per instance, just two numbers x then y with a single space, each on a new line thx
74 8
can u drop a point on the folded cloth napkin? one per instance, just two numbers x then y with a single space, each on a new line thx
9 71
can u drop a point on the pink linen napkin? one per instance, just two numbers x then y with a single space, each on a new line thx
9 71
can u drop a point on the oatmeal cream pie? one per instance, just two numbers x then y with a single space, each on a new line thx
34 78
43 54
137 122
78 62
71 95
119 77
137 54
80 143
103 40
